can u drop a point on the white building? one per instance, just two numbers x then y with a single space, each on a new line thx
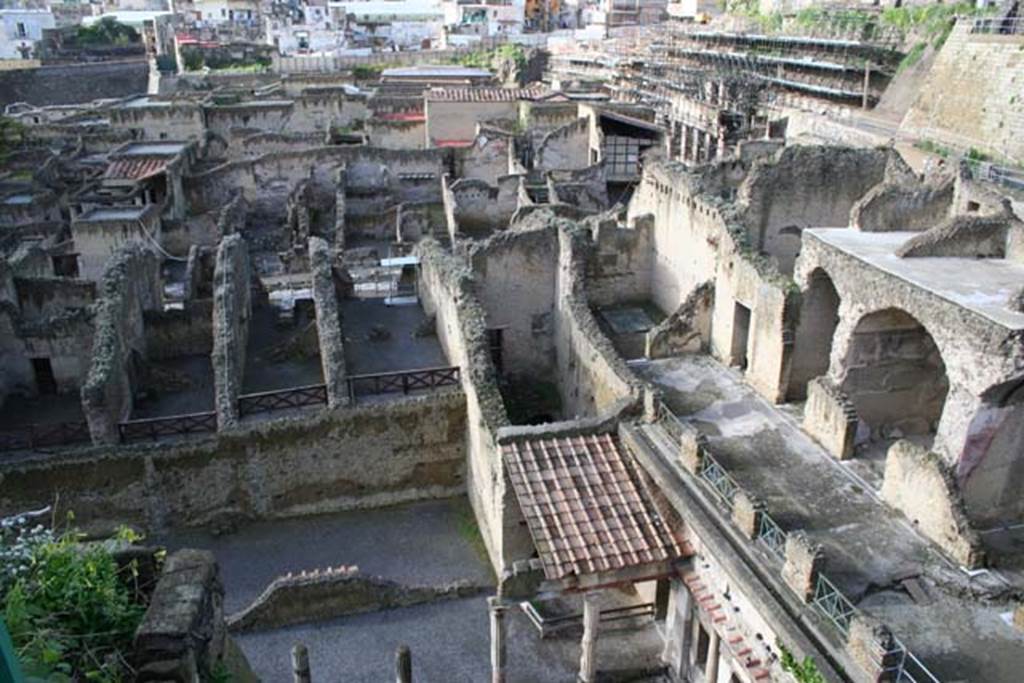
22 29
402 23
313 32
217 12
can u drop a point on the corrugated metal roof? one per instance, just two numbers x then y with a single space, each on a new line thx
135 168
483 94
585 506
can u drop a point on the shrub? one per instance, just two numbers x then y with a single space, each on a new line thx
71 611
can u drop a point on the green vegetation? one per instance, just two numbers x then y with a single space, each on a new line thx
367 73
12 133
805 671
107 31
912 57
216 60
71 611
465 523
490 59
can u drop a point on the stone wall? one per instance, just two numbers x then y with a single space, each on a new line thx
565 147
180 332
971 97
367 456
978 353
130 286
73 83
593 378
447 290
183 636
44 296
397 134
804 187
257 176
514 274
335 592
232 312
328 322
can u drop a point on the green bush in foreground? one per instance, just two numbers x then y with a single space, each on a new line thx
71 611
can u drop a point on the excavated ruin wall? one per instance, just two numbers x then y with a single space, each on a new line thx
130 286
514 274
619 265
367 456
696 239
804 187
232 312
977 353
180 332
214 188
565 147
328 322
593 378
447 290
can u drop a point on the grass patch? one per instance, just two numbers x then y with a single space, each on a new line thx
469 531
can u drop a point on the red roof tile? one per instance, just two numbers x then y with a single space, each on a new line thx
585 506
135 168
483 94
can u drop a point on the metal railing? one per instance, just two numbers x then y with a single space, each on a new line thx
835 606
669 421
771 535
282 399
401 382
154 428
722 484
909 668
995 26
44 436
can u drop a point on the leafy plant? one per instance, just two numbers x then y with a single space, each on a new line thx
107 31
805 671
71 610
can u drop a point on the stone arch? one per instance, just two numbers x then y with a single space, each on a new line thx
895 377
812 348
991 466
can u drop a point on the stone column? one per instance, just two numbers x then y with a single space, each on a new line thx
300 664
497 611
591 622
711 672
403 664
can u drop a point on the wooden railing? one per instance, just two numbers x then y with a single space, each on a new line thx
404 382
281 399
44 436
172 425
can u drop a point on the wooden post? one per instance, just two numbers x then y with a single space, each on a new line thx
403 664
497 611
300 664
591 620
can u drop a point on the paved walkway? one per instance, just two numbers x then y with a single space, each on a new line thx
450 643
418 544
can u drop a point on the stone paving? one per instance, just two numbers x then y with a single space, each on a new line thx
450 643
425 543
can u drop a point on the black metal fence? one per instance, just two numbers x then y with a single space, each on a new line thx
401 382
282 399
174 425
44 436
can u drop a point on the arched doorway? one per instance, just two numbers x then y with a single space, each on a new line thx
819 315
896 379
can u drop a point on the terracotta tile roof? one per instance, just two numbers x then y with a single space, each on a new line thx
586 508
135 168
402 116
453 143
483 94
